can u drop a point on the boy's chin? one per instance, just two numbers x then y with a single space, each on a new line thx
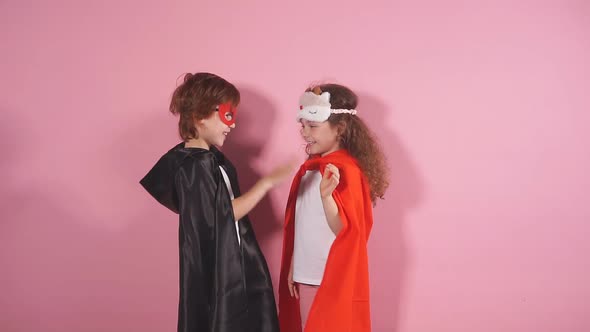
219 143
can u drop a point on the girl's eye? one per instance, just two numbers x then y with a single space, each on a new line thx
229 116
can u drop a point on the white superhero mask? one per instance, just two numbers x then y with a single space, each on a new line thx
317 108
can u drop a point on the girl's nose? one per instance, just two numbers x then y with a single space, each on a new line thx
233 125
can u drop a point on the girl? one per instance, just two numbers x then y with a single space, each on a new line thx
224 280
324 283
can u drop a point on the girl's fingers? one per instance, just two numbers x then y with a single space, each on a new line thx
293 289
333 170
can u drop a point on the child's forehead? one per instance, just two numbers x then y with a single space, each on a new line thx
308 122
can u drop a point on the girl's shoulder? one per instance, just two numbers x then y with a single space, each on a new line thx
343 159
347 165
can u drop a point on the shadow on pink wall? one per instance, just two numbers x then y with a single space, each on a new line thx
244 148
93 252
389 258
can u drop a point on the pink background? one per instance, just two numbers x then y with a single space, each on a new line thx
482 108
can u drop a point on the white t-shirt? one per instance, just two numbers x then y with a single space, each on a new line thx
313 236
231 195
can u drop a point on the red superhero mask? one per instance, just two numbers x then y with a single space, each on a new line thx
227 113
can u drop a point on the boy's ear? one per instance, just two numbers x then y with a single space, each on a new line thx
197 121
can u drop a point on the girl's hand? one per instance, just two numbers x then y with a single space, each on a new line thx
329 181
292 285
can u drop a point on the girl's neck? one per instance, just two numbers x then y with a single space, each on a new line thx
196 143
331 151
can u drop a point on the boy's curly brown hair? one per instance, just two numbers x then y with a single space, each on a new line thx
197 97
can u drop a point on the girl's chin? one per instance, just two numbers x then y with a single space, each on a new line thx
314 149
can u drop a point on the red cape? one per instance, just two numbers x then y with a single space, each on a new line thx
342 300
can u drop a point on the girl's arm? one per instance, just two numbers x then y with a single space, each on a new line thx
292 285
246 202
330 181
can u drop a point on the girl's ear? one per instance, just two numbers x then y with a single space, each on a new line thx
341 128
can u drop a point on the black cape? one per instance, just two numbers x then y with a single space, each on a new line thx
224 285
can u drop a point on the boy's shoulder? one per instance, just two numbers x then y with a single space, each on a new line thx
161 180
193 157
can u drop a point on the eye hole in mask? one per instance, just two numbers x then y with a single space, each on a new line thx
227 113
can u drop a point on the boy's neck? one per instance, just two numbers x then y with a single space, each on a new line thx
196 143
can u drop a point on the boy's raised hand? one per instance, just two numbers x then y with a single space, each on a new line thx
281 173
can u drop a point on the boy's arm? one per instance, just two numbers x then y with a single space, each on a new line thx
246 202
